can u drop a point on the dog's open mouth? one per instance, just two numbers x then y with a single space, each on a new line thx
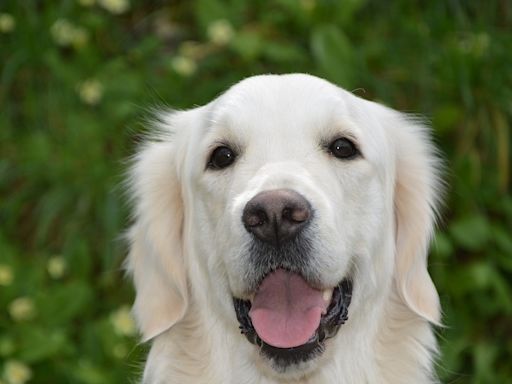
289 319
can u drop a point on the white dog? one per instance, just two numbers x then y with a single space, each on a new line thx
281 235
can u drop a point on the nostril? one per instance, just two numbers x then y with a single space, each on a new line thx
254 217
296 214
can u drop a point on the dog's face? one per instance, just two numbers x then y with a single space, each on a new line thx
272 150
289 219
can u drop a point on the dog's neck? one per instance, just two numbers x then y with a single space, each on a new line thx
199 349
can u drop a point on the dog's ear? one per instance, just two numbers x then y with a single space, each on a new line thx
156 249
416 196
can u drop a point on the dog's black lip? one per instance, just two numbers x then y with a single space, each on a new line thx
330 322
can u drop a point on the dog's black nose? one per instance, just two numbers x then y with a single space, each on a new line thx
276 216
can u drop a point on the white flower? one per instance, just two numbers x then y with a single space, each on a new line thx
184 66
115 6
220 32
56 267
22 308
122 321
90 91
7 22
6 275
16 372
65 33
61 31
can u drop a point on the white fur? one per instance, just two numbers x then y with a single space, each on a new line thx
373 218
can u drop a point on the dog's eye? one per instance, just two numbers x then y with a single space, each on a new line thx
221 157
343 148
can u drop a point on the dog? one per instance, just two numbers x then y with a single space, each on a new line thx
280 235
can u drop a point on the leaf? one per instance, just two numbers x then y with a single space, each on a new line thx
484 355
281 52
471 232
39 344
442 245
503 239
481 275
334 55
65 302
89 373
446 117
503 153
248 44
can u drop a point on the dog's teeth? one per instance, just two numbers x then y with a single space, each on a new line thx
327 294
251 297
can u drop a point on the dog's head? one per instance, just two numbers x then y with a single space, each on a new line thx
286 206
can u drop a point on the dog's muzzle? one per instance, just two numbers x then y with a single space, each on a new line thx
288 316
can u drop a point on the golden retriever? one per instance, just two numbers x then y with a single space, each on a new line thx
281 235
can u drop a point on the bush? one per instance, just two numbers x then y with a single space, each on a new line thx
76 77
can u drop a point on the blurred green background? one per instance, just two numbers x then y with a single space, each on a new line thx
78 76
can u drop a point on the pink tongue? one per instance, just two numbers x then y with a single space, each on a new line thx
286 311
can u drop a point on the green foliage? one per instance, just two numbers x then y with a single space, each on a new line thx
76 76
